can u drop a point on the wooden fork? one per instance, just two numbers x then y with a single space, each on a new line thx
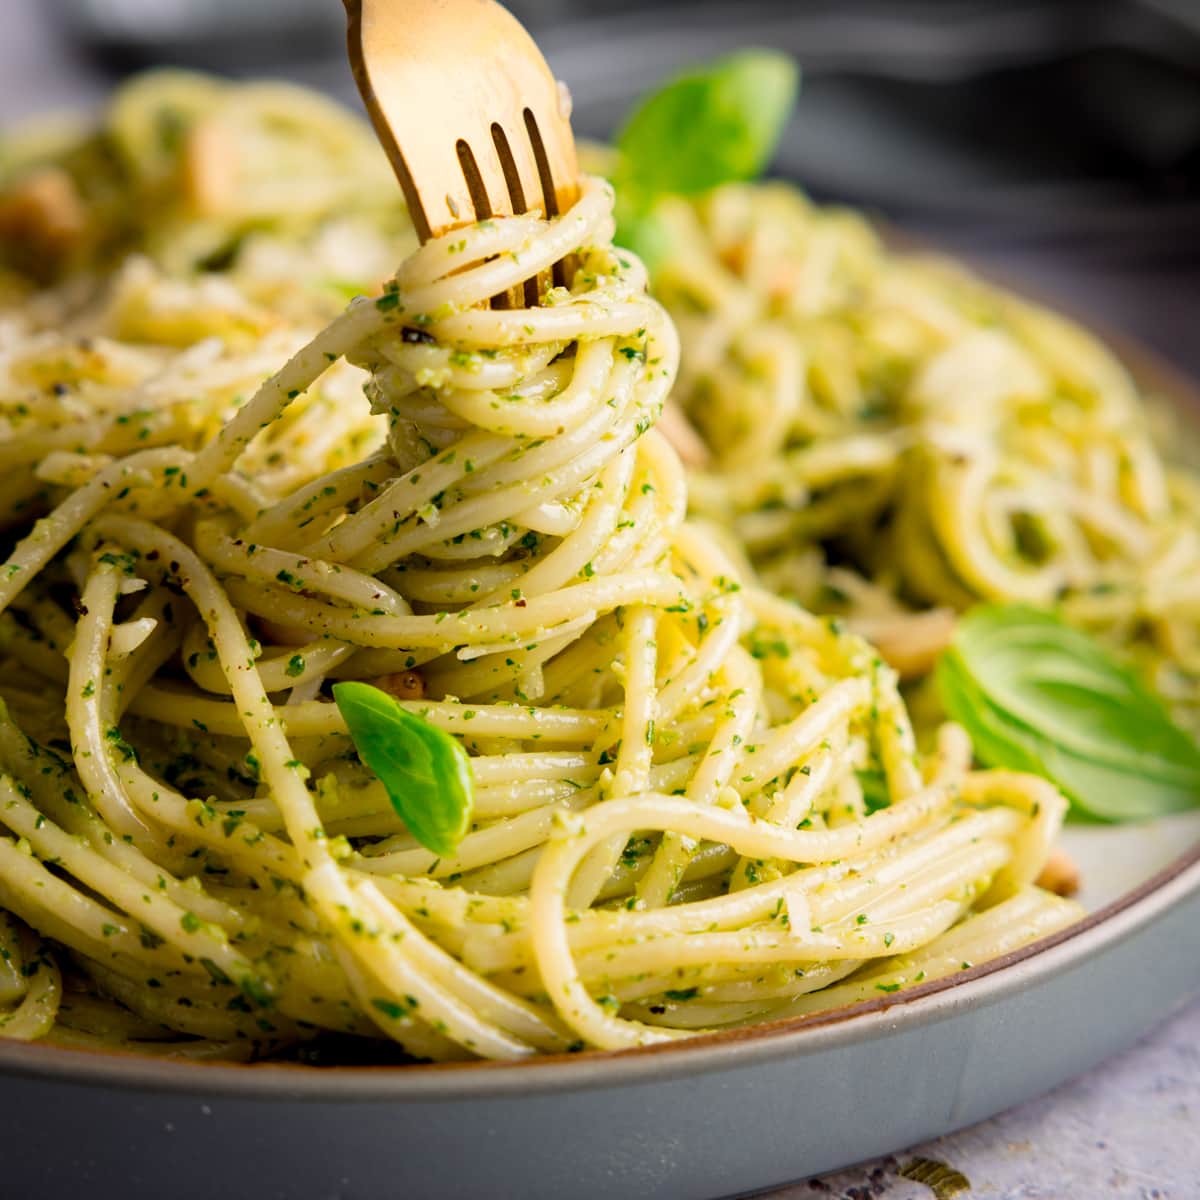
469 113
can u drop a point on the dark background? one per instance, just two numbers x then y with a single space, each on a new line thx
1056 143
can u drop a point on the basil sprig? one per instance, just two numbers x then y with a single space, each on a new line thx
1037 695
426 773
711 125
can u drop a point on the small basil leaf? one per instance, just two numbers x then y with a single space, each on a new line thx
426 773
709 126
1037 695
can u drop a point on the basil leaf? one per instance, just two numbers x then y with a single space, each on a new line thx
710 125
1104 792
426 773
1061 682
1037 695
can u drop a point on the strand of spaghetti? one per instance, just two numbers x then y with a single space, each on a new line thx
235 840
441 257
720 637
397 1021
571 559
237 660
201 1018
721 759
35 1014
96 1014
382 956
200 1050
579 321
749 837
636 751
908 931
497 842
1046 807
128 673
409 494
87 712
229 555
790 743
184 708
521 1018
292 666
566 411
12 983
516 621
769 986
51 533
995 932
299 373
583 224
960 490
820 774
296 511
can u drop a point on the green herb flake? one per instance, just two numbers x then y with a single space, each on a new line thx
679 995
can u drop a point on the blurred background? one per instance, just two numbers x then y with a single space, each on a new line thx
1055 143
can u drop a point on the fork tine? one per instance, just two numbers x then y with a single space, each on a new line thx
520 176
554 154
516 161
476 176
552 202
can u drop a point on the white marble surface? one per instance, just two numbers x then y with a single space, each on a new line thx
1128 1130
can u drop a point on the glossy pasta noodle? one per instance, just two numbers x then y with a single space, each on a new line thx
673 830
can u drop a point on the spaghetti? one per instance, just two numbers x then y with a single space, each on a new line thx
921 440
696 804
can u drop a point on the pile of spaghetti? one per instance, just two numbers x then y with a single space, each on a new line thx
922 441
696 805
